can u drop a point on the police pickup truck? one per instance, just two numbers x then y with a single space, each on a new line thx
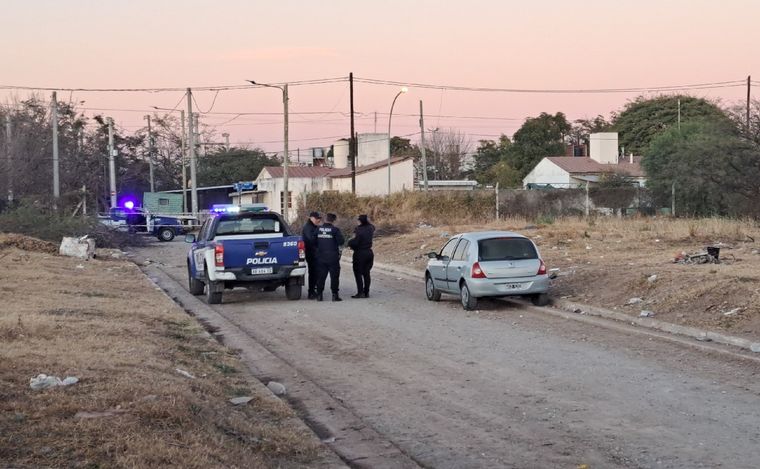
138 220
245 246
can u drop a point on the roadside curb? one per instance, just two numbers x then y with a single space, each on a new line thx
580 308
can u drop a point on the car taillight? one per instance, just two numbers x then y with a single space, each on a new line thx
301 250
477 272
219 255
542 268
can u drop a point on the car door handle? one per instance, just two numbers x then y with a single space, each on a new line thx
459 268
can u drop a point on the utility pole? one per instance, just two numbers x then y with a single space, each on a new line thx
111 163
9 155
422 149
351 142
679 114
749 91
285 160
497 200
150 155
191 150
54 119
375 121
673 199
182 139
226 141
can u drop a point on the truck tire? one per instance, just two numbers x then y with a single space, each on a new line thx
194 285
213 297
293 291
165 234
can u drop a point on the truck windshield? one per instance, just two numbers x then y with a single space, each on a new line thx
249 224
506 249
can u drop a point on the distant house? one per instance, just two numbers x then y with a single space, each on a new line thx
571 172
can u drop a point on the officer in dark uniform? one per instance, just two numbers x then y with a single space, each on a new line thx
363 258
329 243
309 234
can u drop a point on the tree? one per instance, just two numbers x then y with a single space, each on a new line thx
738 114
538 138
714 170
448 151
582 128
492 163
644 118
233 165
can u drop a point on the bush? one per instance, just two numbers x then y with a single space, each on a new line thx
32 219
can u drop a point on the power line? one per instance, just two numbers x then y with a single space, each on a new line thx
697 86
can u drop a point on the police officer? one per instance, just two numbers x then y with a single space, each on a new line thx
309 234
329 243
363 257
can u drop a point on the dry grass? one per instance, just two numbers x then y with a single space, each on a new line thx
106 324
606 261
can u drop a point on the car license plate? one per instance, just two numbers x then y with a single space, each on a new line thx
261 270
514 286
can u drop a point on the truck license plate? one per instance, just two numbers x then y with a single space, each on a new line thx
261 270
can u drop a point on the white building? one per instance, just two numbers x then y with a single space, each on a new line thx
570 172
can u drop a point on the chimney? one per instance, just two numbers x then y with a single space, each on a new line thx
604 147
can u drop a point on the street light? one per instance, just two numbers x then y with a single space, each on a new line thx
285 162
390 115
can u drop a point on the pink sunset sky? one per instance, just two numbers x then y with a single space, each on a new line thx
539 44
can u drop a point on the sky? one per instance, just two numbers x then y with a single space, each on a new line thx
505 44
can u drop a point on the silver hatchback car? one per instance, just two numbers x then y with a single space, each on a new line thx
487 264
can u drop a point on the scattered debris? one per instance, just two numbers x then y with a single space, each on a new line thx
26 243
43 381
82 248
755 347
703 337
588 248
646 314
278 389
98 414
184 373
711 255
444 234
329 440
652 278
241 400
732 312
634 301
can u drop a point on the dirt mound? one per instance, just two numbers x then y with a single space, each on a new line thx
26 243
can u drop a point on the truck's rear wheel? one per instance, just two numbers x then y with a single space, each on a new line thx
165 234
213 294
195 285
293 291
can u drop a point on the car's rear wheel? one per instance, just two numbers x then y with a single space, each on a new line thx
469 302
194 285
213 296
293 291
432 293
540 299
165 234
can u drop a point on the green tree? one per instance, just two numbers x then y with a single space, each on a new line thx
644 118
538 138
492 163
233 165
714 169
582 128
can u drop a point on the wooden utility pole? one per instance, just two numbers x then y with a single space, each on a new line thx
422 150
352 140
150 155
749 92
54 121
182 140
286 159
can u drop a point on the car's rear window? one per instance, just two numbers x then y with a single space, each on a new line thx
506 249
249 224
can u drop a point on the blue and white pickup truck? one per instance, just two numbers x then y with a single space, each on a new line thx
248 246
138 220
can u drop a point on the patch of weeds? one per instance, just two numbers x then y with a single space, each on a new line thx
747 279
545 219
73 312
225 369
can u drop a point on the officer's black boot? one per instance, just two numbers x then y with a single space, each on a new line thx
336 297
319 297
359 295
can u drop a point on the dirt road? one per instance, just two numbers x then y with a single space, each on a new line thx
503 386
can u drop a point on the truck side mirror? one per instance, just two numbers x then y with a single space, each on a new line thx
190 238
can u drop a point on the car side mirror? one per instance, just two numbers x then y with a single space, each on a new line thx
190 238
432 255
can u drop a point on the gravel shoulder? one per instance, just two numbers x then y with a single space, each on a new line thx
504 386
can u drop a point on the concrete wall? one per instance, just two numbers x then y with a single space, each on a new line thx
297 187
604 147
547 172
371 149
376 182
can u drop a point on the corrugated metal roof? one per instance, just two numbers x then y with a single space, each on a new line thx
585 165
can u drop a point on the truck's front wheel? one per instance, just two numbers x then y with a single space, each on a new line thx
293 290
165 234
195 285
